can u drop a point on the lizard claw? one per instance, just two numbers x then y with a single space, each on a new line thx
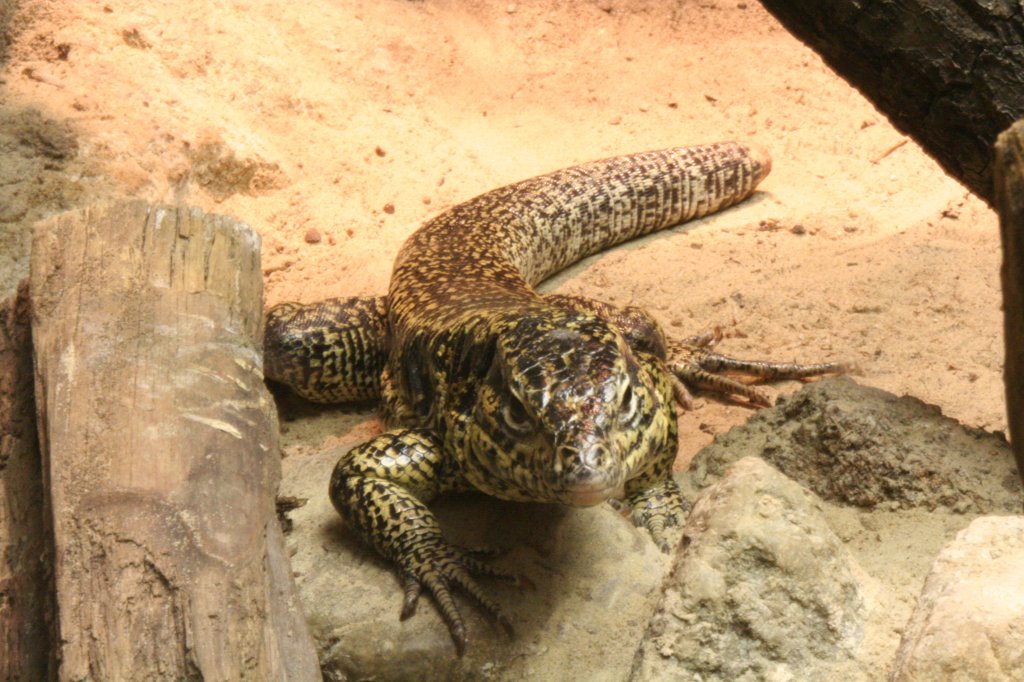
412 590
694 366
439 567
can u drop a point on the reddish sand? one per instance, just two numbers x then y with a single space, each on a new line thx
336 127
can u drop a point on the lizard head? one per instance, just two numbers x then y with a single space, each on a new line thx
565 412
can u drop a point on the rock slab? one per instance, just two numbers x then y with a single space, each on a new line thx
596 579
969 621
863 447
761 589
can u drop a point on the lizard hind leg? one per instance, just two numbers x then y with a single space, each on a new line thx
382 488
691 361
332 351
694 365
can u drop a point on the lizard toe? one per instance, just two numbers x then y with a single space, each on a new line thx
440 568
661 510
694 366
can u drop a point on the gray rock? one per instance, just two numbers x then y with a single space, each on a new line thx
861 446
761 589
596 577
969 621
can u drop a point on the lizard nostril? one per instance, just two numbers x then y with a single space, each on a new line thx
584 472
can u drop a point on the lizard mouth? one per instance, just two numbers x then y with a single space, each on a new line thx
584 474
589 496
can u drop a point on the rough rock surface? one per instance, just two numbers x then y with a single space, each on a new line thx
861 446
598 579
596 583
762 589
969 621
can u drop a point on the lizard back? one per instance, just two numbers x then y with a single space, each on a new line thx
472 269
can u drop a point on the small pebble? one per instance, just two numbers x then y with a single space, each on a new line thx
389 208
615 121
798 229
379 151
312 236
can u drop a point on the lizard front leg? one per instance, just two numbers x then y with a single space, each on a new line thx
381 488
652 496
331 351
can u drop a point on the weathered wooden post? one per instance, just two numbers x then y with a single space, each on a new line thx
26 604
948 73
1009 196
160 449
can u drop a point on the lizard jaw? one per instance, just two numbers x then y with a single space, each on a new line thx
590 494
589 497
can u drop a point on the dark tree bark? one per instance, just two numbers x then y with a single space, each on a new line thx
160 448
1009 184
26 606
948 73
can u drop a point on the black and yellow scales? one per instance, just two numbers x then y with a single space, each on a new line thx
488 385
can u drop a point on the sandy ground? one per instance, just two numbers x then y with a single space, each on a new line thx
336 127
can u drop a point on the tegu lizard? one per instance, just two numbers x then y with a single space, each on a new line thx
488 385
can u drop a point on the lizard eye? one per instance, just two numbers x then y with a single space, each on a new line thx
629 407
515 415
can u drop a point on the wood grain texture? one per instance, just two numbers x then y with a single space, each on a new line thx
948 73
26 607
1009 197
160 442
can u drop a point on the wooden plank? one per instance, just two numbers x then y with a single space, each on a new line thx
1009 196
26 607
948 73
160 442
